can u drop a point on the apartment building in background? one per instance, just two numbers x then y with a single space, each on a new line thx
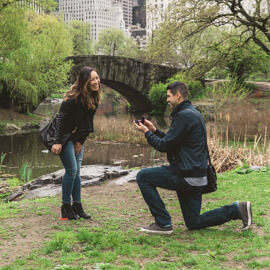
137 28
35 5
155 9
127 11
100 14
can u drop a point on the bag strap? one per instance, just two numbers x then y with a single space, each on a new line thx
204 134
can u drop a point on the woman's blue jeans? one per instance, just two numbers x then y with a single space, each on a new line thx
71 182
190 198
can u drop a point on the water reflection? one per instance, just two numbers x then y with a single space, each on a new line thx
28 148
48 108
22 148
114 154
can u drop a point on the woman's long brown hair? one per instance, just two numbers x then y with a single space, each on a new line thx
82 88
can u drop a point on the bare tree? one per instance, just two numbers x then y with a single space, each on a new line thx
251 17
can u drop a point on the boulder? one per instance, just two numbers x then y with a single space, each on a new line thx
30 126
50 184
11 128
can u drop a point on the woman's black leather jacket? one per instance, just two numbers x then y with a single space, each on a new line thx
75 118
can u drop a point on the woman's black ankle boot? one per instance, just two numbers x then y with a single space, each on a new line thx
67 211
77 208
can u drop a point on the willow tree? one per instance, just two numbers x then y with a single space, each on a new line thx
33 48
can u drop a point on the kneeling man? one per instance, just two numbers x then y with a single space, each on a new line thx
185 146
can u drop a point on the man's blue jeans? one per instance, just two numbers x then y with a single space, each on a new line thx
190 198
71 182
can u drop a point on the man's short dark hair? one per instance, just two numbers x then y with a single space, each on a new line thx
178 87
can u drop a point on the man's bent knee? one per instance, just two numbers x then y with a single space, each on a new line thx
143 175
140 176
194 225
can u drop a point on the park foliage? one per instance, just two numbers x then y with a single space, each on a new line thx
32 50
112 41
157 93
214 38
202 39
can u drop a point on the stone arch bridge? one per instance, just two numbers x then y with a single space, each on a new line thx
129 77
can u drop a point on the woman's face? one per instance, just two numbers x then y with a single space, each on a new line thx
94 81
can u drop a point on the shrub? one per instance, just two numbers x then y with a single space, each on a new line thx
195 88
157 93
157 96
2 127
224 93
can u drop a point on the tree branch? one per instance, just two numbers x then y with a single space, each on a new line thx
205 15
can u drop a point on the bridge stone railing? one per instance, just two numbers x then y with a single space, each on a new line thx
129 77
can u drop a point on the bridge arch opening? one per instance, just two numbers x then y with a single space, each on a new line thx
139 103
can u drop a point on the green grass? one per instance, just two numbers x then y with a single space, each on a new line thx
34 120
58 95
262 102
14 182
112 242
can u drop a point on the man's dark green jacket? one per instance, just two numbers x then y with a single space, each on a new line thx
184 142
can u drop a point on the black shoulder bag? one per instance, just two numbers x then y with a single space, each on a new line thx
47 134
211 172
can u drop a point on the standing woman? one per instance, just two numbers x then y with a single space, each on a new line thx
76 116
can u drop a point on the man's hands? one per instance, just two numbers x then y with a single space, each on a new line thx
147 125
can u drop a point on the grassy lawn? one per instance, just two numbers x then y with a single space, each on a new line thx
33 237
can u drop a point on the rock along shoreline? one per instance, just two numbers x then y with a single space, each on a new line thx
50 184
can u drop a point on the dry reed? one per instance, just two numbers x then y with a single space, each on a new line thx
225 155
226 158
244 120
120 129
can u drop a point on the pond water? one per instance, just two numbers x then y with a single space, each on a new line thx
49 108
28 149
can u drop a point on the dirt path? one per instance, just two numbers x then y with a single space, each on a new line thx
37 220
32 226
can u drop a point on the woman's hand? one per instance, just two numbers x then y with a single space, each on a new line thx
77 148
56 149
